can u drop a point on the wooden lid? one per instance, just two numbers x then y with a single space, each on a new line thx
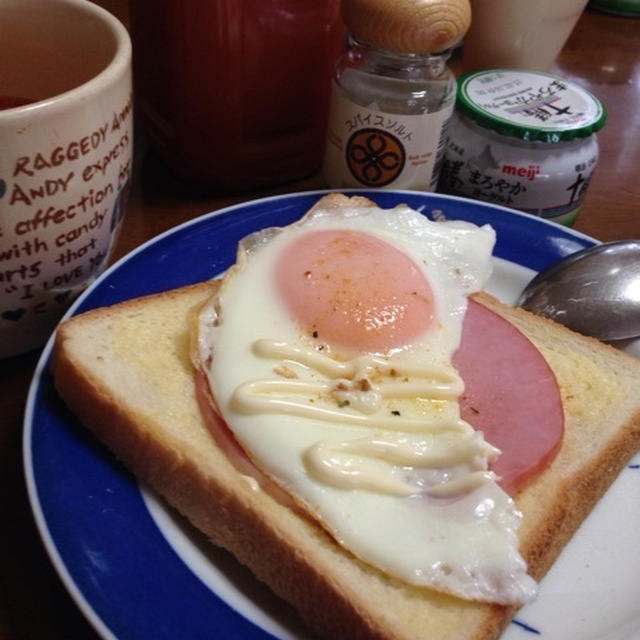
407 26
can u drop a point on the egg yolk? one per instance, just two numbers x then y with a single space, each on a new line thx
354 290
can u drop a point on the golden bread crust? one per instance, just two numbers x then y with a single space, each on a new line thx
125 372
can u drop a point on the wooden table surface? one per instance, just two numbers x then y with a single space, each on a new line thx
603 54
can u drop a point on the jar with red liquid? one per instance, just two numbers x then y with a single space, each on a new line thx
234 93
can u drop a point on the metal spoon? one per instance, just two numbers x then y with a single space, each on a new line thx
595 291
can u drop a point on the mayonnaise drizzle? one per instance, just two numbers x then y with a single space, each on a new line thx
262 396
327 462
356 463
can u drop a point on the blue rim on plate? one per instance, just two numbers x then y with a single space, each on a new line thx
116 564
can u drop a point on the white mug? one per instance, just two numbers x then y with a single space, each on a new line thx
66 141
518 34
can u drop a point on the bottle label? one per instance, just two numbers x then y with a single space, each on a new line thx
549 181
371 148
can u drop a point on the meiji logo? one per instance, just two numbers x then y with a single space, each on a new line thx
529 172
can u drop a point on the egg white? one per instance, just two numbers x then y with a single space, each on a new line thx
466 544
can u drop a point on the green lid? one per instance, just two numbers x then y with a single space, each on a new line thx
529 105
618 7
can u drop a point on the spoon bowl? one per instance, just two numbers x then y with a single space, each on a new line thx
595 291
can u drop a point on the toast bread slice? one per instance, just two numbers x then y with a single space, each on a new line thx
125 371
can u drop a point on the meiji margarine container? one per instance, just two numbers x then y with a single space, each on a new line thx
523 139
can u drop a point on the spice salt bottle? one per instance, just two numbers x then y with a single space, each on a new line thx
393 93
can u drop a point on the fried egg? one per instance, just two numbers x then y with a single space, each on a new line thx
328 349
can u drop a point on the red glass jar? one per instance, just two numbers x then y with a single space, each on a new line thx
234 93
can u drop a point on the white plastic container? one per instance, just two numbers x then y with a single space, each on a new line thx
525 140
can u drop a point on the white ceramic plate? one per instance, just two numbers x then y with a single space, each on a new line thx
137 570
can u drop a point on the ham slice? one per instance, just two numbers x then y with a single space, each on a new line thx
511 395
